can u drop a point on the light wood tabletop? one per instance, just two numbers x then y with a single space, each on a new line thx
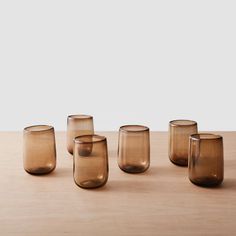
161 201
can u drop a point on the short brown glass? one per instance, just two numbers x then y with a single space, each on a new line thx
206 161
39 149
78 125
179 132
134 148
90 167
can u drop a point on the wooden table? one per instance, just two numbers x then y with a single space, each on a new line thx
161 201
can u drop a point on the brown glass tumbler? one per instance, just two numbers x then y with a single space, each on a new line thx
179 132
134 148
78 125
39 149
206 161
90 169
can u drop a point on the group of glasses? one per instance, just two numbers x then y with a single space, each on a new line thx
201 152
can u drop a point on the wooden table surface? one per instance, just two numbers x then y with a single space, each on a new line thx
161 201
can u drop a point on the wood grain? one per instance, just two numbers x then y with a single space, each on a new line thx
160 201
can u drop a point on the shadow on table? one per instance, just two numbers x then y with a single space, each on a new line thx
131 186
167 170
136 186
57 173
228 184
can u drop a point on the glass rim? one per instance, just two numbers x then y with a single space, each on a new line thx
33 128
188 122
141 128
80 116
100 138
205 136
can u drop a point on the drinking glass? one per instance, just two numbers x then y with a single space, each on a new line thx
206 161
39 149
134 148
90 168
179 132
78 125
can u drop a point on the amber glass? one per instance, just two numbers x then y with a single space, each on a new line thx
78 125
206 161
179 132
134 148
90 168
39 149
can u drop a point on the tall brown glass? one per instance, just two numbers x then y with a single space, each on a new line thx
90 169
78 125
206 161
39 149
179 132
134 148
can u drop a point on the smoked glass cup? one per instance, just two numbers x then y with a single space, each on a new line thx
78 125
134 148
39 149
206 159
179 132
90 168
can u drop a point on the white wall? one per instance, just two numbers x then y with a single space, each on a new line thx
122 61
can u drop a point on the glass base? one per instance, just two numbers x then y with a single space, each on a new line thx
133 169
91 184
85 152
40 171
206 181
180 162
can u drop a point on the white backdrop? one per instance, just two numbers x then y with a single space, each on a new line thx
143 62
